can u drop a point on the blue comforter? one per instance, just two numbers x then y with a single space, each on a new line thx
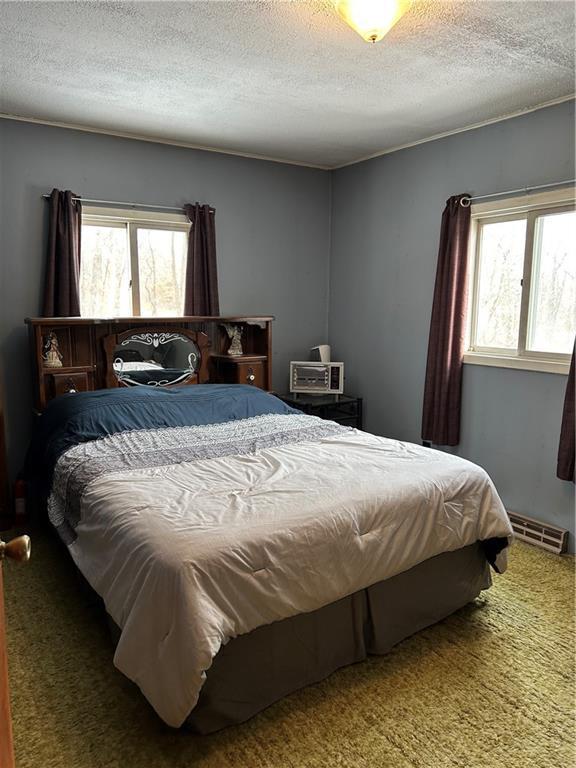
83 416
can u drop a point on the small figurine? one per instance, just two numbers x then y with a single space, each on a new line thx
51 353
235 335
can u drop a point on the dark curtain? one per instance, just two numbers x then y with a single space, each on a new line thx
62 280
442 389
565 467
201 293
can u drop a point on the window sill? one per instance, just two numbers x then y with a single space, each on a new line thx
519 363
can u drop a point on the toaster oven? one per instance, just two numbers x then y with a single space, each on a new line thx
317 378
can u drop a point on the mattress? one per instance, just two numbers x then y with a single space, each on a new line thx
201 513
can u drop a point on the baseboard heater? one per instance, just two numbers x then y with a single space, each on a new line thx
541 534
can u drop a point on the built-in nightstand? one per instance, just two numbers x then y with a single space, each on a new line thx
241 369
344 409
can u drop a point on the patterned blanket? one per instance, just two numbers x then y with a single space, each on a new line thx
139 449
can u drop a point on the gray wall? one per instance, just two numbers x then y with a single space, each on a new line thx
272 235
385 227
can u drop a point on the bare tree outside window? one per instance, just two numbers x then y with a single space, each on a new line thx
105 272
162 269
499 294
553 300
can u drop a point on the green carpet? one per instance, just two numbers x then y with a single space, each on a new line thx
490 687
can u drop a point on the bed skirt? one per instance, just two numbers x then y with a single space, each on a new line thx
254 670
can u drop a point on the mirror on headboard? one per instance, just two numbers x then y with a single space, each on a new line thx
155 358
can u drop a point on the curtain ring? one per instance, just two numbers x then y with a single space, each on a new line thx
465 202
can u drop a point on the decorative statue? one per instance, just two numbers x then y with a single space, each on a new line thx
235 335
51 353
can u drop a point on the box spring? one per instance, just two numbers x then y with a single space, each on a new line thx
253 671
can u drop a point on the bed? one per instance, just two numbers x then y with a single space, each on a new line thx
244 549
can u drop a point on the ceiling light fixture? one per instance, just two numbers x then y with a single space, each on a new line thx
372 19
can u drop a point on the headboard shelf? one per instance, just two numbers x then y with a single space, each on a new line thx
240 358
134 321
81 357
69 369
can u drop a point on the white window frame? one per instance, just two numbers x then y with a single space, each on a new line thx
528 207
133 220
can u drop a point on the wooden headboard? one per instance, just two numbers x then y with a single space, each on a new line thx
85 347
150 341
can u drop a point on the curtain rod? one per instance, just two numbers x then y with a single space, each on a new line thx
466 200
171 208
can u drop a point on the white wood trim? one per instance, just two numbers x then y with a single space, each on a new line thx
524 203
471 298
134 269
98 221
544 365
266 158
111 215
445 134
526 283
475 242
188 145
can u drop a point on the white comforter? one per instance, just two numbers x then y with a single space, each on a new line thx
189 555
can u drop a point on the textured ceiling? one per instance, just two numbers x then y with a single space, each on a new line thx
288 79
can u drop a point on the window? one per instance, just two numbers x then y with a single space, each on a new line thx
132 263
522 311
